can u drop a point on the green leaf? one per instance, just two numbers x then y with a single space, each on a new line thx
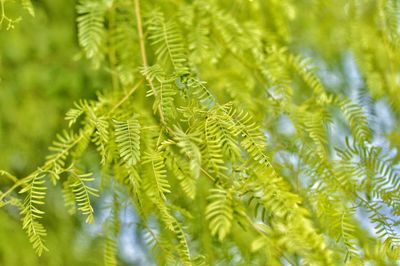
127 137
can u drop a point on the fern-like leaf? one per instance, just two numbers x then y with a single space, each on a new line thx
112 227
219 212
61 149
82 193
200 91
101 136
345 225
188 147
159 182
127 137
357 120
218 130
69 196
74 113
168 41
253 141
35 190
179 168
91 27
183 249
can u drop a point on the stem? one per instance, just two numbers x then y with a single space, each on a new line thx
9 176
5 18
143 52
111 50
126 96
207 174
140 33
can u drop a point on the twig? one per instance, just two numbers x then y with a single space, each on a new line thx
143 52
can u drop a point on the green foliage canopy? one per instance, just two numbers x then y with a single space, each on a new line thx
230 145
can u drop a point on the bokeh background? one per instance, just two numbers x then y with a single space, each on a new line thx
41 75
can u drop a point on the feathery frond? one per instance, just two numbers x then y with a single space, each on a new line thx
82 193
167 39
158 182
219 212
127 137
91 27
35 190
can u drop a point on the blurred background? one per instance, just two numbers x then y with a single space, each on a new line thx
41 75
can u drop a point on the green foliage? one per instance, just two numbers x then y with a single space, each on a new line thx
127 136
168 42
231 146
82 193
35 190
220 212
30 115
90 28
112 227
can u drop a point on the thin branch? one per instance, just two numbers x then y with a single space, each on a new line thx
140 33
126 96
143 52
